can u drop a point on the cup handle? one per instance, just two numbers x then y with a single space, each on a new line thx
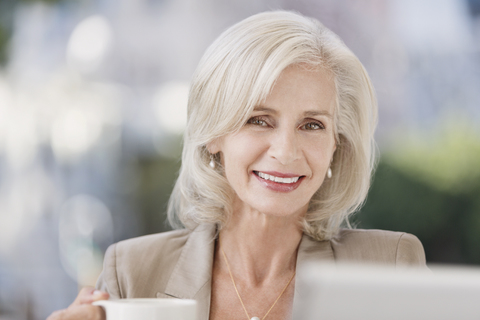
104 304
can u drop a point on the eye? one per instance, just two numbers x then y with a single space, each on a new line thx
313 126
258 121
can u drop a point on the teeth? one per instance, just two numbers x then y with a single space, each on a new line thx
277 179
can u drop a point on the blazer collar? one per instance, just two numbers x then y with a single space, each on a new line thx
310 251
191 277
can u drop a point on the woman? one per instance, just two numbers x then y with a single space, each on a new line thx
278 152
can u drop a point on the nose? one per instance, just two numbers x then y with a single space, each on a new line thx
284 146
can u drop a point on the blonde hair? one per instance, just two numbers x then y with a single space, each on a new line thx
236 73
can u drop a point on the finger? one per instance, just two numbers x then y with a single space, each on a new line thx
83 295
99 295
88 294
56 315
81 312
87 312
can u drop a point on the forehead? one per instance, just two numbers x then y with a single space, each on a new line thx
305 88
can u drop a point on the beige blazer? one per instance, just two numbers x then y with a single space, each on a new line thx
178 264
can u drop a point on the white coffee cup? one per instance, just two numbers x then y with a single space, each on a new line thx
149 309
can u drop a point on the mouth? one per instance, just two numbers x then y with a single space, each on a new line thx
282 180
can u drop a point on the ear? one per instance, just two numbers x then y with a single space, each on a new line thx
214 146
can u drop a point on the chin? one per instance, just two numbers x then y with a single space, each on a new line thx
282 210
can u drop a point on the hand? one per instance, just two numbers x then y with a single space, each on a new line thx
81 308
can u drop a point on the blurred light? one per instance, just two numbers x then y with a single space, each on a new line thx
21 139
439 26
89 43
23 200
85 227
73 132
6 102
390 58
170 103
18 127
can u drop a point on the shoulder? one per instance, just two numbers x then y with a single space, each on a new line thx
170 240
378 246
371 237
156 249
130 266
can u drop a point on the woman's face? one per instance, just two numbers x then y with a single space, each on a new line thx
280 157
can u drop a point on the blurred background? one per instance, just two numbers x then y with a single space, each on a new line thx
92 108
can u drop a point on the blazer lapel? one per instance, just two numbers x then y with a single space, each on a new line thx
191 277
310 251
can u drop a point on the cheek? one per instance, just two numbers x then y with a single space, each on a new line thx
319 154
239 153
242 147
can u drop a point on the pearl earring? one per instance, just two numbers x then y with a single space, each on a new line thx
329 173
212 162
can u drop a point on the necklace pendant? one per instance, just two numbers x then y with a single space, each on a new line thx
255 318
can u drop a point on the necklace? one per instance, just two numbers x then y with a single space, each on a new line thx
240 298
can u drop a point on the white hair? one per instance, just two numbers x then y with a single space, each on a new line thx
236 73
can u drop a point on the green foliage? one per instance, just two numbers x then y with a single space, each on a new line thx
3 45
448 158
6 11
448 224
430 186
157 177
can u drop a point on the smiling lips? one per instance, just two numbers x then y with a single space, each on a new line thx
279 184
276 179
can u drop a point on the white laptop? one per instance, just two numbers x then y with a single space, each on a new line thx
351 292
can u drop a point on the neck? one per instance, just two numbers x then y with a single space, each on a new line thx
260 247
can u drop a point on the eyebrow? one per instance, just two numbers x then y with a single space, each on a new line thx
318 113
311 113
